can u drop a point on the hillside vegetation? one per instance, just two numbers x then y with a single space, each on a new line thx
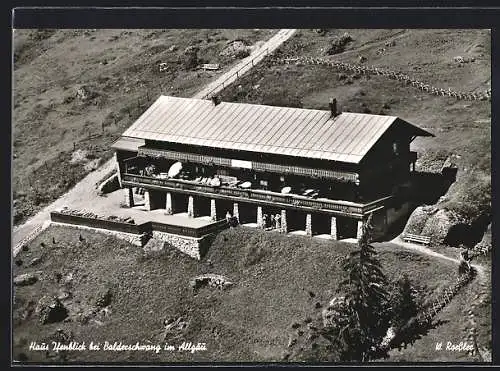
277 281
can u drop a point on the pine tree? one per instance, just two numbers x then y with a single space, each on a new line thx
366 303
404 305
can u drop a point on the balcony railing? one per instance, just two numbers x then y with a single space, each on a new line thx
261 196
256 165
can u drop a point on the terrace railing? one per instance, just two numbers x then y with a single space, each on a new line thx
344 207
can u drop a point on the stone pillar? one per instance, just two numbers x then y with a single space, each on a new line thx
213 210
129 197
284 224
169 206
236 211
259 216
309 225
190 211
360 229
147 200
333 228
117 165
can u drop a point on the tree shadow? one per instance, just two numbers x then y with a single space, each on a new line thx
408 335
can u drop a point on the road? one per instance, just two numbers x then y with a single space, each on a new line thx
85 192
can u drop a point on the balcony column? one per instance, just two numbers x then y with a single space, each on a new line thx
236 212
169 204
360 230
213 210
284 224
191 210
260 222
129 197
333 228
309 225
147 200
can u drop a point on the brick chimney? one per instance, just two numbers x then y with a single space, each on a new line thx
333 107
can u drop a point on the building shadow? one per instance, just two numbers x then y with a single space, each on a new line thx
423 188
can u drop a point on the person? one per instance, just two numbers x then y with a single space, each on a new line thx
277 219
264 221
228 216
272 222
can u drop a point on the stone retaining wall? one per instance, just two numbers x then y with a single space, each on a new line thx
135 239
188 245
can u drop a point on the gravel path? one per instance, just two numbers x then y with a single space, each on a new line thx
427 251
85 192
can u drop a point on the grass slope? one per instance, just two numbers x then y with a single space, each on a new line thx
273 275
120 71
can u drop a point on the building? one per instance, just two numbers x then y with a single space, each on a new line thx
321 171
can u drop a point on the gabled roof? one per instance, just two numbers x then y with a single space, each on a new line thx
267 129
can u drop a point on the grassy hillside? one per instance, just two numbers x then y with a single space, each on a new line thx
277 281
80 89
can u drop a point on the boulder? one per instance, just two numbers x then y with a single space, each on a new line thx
51 310
25 279
35 261
104 298
212 280
110 185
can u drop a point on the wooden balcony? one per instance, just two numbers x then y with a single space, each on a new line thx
261 197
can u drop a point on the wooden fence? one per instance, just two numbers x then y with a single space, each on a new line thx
394 75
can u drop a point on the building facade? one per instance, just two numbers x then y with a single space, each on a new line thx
319 171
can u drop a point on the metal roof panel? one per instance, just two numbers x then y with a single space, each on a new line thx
259 128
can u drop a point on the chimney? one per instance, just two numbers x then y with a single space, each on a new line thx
333 107
215 100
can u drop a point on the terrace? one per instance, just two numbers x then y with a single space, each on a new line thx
230 188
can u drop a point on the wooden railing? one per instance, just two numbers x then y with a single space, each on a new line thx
345 176
185 186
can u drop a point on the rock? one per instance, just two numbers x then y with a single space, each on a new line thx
25 279
35 261
64 295
213 280
50 310
104 298
109 185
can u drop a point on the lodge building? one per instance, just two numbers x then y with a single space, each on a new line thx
321 171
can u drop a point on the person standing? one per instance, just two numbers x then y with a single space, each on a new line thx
277 219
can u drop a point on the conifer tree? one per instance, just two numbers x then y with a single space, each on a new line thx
366 304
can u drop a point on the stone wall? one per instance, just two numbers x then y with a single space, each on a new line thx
134 239
188 245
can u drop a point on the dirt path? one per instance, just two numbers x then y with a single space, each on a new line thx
84 191
427 251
